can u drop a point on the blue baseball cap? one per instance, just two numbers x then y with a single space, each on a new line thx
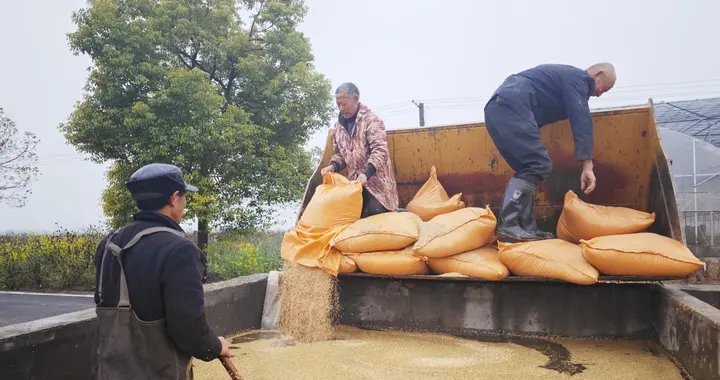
157 181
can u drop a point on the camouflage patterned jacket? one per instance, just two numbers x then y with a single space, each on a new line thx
368 144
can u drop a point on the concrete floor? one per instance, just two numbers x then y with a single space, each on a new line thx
25 307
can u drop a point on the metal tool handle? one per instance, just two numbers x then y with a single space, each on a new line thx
230 367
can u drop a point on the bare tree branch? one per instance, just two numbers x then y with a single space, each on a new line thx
17 162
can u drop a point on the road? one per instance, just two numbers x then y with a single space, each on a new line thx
25 307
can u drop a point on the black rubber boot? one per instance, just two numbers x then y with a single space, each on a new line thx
528 223
516 200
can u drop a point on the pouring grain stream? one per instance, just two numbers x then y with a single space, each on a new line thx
308 303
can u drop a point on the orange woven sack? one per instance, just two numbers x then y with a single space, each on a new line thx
347 265
456 232
483 263
388 231
580 220
552 258
336 204
640 254
432 199
390 263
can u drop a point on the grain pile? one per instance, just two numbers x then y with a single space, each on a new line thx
308 303
358 354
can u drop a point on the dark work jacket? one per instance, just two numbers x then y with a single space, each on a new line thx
554 92
165 279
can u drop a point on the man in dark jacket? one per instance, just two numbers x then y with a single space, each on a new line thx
519 107
149 287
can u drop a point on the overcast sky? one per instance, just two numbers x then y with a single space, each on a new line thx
451 54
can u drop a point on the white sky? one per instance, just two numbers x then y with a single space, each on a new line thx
450 54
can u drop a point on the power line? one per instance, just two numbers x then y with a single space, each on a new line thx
681 85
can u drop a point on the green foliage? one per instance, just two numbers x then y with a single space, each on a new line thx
18 162
116 200
236 255
62 260
190 83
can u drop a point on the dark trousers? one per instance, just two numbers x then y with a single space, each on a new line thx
513 129
371 206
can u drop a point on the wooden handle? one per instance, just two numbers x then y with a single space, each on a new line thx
230 367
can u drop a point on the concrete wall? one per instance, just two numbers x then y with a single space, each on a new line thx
61 347
607 310
688 329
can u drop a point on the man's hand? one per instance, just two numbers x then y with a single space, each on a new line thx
327 169
225 351
587 179
361 179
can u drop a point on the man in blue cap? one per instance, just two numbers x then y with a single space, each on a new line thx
519 107
149 287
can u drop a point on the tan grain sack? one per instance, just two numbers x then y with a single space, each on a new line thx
390 263
481 263
390 231
580 220
640 254
432 199
347 265
553 258
456 232
336 204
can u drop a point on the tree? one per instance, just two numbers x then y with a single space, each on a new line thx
189 82
18 162
316 154
117 203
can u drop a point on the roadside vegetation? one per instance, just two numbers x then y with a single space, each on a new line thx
64 260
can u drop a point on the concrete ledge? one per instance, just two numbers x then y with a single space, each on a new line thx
62 347
235 305
688 329
706 293
59 347
602 310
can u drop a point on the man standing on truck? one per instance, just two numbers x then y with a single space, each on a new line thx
360 145
514 114
149 287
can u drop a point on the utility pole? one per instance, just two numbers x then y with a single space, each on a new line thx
421 107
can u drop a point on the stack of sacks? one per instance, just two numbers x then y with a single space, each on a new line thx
451 239
457 242
381 244
336 204
432 199
615 242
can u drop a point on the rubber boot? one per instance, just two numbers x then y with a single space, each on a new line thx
528 223
516 200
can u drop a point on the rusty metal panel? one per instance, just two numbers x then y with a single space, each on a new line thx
628 165
662 196
467 161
